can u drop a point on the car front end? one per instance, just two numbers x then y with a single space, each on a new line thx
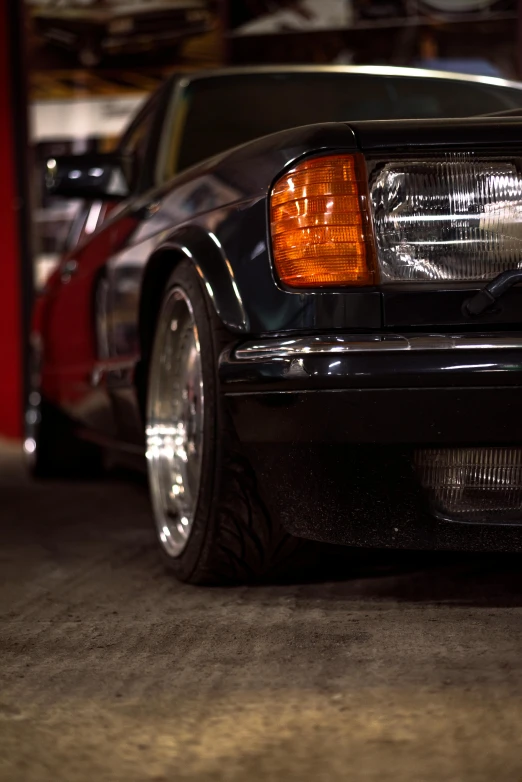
392 416
118 27
133 27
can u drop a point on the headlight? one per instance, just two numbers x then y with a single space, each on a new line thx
455 219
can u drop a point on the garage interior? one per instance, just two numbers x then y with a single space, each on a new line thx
361 665
408 669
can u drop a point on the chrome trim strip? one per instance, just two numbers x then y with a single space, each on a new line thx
373 343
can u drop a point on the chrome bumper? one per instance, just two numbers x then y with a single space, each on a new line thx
372 343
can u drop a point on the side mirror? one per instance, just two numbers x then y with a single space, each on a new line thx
92 176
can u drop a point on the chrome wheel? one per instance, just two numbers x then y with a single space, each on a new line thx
174 426
33 409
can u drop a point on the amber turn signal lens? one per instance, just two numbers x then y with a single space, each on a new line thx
321 229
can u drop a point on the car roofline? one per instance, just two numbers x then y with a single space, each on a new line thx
370 70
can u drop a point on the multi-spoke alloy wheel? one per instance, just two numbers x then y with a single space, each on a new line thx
175 418
212 524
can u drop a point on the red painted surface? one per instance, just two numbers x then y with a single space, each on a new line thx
10 298
64 319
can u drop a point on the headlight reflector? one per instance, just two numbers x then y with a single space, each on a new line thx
455 219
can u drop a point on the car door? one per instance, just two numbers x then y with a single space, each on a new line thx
76 329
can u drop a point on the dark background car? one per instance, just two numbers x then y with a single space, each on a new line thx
100 28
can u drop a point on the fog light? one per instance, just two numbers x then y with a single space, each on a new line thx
473 484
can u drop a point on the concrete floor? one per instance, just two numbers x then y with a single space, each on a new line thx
110 670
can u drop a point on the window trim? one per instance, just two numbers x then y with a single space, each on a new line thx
156 108
172 128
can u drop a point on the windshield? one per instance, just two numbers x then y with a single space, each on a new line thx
222 112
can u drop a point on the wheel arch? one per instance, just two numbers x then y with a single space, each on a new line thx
215 271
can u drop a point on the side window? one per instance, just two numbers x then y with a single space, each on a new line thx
173 131
134 147
135 143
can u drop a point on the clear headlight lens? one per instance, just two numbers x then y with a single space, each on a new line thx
473 484
455 219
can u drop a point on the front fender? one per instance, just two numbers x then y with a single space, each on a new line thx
208 255
205 251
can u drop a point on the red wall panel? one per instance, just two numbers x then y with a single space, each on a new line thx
10 275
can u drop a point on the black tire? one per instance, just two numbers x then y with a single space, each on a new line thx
52 449
233 538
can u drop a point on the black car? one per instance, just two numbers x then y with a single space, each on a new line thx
98 28
312 334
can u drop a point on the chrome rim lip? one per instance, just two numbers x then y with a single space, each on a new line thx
174 423
32 418
33 408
